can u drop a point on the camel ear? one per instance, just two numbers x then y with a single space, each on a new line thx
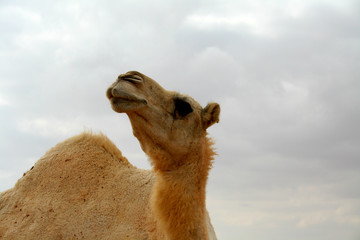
210 115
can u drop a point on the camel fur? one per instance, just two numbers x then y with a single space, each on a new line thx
83 188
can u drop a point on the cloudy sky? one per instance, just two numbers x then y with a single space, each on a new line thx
286 74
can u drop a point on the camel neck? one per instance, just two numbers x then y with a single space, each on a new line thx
178 197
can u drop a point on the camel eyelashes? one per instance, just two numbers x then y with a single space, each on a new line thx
182 108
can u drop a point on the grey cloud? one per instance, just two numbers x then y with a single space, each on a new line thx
290 99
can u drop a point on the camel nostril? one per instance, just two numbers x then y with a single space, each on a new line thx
109 94
114 92
131 78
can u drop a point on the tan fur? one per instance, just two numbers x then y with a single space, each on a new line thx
178 198
83 188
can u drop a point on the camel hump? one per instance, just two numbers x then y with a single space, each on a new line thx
79 180
88 145
85 159
86 148
83 156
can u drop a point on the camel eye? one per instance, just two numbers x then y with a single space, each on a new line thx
182 108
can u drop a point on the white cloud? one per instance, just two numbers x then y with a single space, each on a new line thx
25 14
4 101
296 91
50 127
256 23
5 174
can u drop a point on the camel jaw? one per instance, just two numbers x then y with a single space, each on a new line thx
122 105
123 102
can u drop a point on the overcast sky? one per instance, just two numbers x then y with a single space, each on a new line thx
286 74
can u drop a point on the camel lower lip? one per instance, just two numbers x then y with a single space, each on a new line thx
120 100
122 105
116 100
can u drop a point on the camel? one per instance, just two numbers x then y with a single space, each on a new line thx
83 188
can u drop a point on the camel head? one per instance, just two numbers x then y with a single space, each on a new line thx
167 124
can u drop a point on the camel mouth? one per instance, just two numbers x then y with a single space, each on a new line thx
126 104
120 100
